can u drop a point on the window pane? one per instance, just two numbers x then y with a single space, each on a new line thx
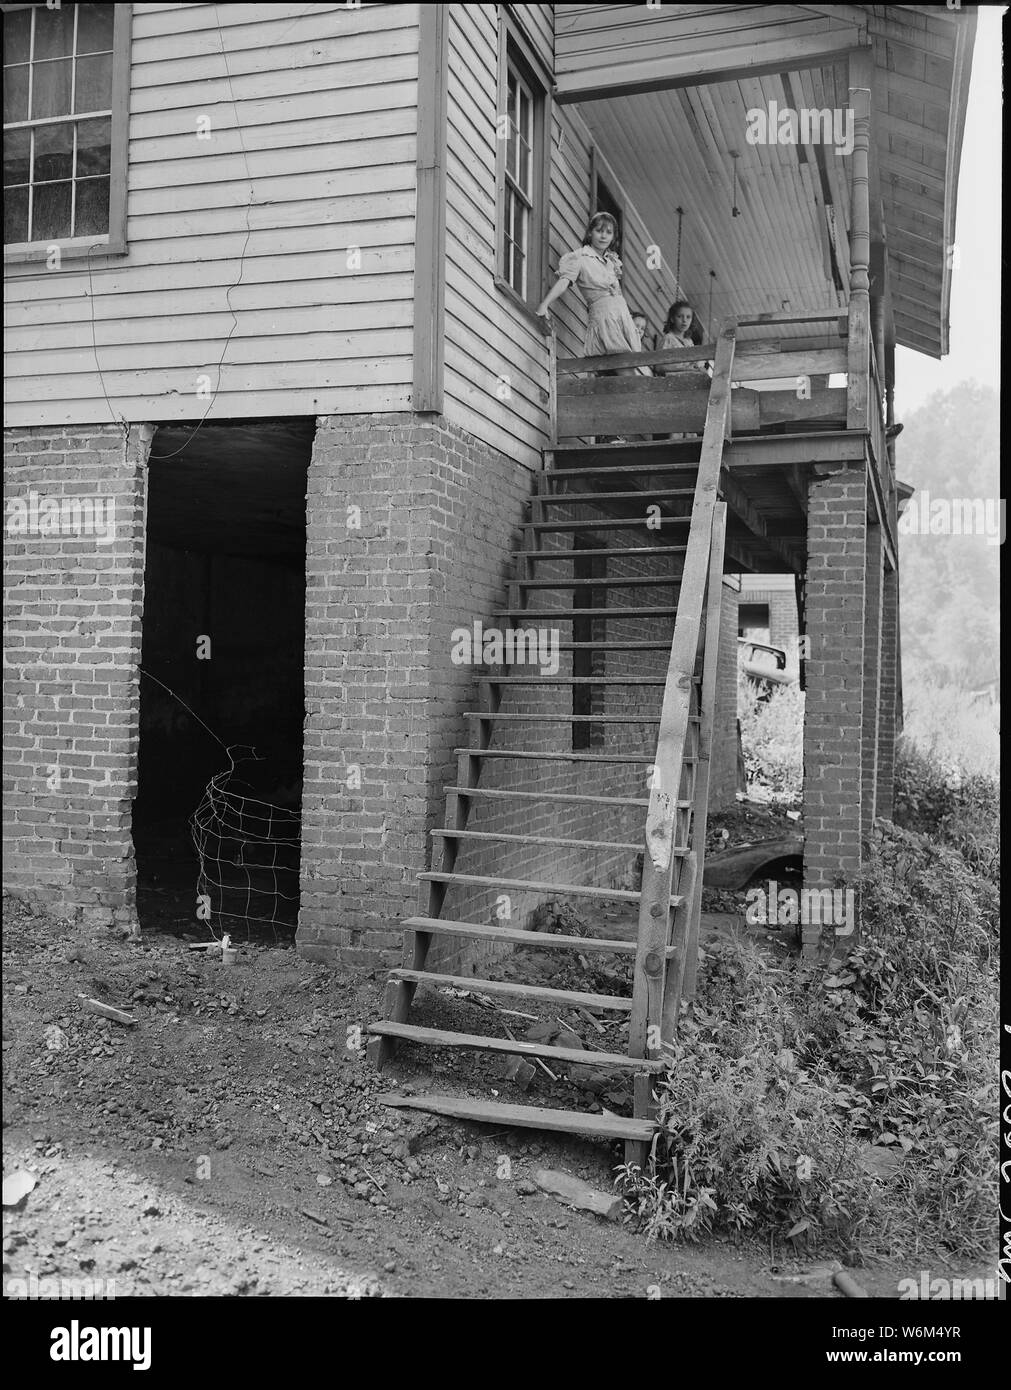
54 32
94 28
17 149
51 211
54 152
94 84
17 27
93 147
92 214
15 94
51 89
519 281
15 215
523 172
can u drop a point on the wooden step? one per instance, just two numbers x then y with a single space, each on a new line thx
518 936
647 758
475 1042
525 1116
572 997
559 499
577 798
580 680
619 553
564 615
497 716
609 523
635 582
603 646
621 471
451 834
523 885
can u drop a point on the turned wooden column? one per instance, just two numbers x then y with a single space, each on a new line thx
858 365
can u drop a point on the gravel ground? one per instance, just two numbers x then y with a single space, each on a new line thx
231 1141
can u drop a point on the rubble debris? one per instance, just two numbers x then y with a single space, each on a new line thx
519 1070
17 1187
95 1006
576 1193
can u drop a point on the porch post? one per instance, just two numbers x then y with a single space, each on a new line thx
834 699
860 77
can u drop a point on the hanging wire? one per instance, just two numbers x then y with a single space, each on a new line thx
709 315
677 269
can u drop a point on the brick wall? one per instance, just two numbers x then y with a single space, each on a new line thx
440 514
73 603
888 693
833 725
872 675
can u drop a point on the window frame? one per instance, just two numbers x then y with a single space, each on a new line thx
113 242
516 53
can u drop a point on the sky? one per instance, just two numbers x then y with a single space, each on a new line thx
975 283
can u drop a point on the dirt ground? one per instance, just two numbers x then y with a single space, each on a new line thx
231 1141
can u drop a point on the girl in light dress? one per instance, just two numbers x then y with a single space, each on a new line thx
595 270
681 330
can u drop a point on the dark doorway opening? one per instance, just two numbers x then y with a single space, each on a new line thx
222 679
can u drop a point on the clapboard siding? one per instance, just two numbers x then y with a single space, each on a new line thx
493 349
314 113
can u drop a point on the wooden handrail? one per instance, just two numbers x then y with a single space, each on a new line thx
658 859
796 316
613 360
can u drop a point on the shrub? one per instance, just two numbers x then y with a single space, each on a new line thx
772 733
785 1077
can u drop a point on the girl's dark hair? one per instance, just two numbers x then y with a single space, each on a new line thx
694 331
595 221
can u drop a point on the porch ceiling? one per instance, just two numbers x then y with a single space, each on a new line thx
676 148
672 143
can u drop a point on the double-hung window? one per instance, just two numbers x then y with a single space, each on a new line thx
66 79
523 168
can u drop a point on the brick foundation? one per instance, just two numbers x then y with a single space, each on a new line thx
73 603
872 676
888 693
834 703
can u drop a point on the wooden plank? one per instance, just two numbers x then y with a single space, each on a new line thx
707 705
577 798
554 840
658 861
517 936
784 407
522 885
430 218
526 1116
512 987
623 360
719 64
475 1042
767 365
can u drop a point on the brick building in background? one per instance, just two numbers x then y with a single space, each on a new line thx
270 288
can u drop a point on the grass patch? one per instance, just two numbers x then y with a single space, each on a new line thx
853 1111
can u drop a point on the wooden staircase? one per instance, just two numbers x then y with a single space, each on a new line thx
674 769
